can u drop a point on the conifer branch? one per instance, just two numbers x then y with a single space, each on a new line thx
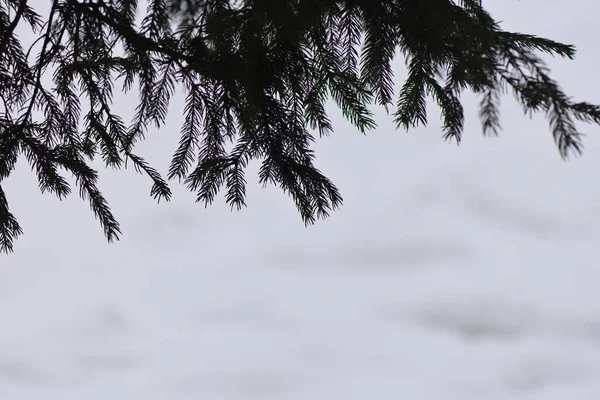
256 77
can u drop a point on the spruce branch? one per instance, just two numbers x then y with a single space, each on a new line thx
9 227
256 76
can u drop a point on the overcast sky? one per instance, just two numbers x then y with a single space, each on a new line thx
411 201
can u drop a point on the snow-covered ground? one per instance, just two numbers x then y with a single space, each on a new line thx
466 272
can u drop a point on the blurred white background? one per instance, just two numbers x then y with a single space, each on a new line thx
450 272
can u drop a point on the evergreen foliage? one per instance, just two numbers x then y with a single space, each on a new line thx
256 76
